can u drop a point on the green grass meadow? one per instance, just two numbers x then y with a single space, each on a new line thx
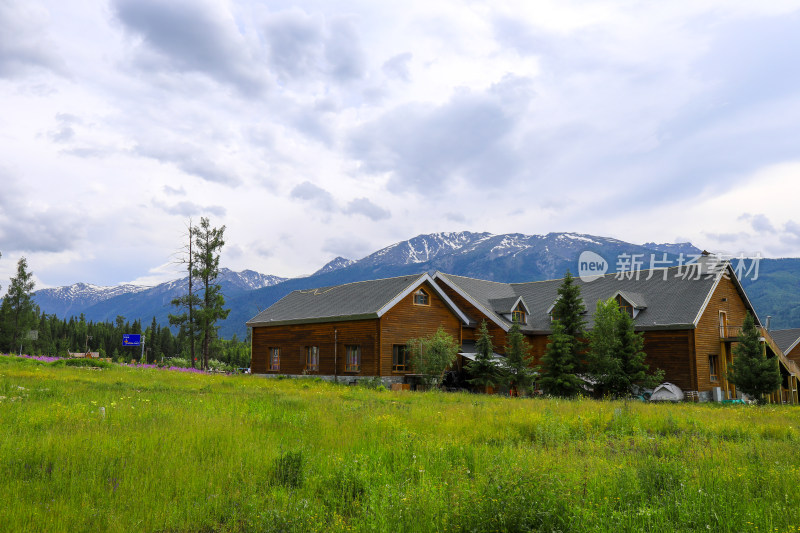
191 452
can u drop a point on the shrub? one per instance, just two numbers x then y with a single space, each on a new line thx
84 363
371 383
346 488
288 469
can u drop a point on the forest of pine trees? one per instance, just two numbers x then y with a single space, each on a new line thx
59 337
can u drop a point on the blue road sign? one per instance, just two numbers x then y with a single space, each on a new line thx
131 339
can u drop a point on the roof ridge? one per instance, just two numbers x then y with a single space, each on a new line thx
356 282
474 279
595 277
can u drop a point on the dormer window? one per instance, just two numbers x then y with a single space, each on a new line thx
518 315
421 298
624 305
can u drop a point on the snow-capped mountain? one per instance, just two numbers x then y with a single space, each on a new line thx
86 298
490 256
335 264
79 296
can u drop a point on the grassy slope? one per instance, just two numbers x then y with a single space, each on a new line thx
178 452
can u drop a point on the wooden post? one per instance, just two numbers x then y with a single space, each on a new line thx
723 372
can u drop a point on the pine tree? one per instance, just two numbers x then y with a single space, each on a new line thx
517 363
615 359
189 301
20 306
631 352
568 310
752 372
604 367
209 242
557 371
484 370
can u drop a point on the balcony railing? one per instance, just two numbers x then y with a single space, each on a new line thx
730 332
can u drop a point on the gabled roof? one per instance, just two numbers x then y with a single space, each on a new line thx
786 339
506 306
667 299
633 298
351 301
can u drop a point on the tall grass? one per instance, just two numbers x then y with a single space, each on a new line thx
190 452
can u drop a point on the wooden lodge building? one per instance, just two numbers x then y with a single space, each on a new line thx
690 318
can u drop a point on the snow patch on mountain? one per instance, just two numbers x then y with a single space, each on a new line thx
88 293
333 265
424 248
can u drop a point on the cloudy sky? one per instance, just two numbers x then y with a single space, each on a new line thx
313 129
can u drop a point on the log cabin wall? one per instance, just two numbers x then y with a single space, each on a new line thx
671 351
293 340
538 344
407 320
707 335
497 333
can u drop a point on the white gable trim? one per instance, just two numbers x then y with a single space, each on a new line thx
790 348
739 289
413 287
524 306
489 313
628 299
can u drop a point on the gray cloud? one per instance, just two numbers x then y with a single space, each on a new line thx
172 191
317 195
192 36
295 42
791 233
88 153
343 50
325 202
455 217
304 46
727 237
312 123
27 229
349 246
759 223
64 131
424 147
397 67
24 45
190 160
261 250
751 60
719 103
363 206
187 209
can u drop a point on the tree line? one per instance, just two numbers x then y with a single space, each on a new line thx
25 329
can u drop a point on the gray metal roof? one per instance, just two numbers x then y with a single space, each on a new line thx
634 298
666 299
785 338
351 301
672 300
504 305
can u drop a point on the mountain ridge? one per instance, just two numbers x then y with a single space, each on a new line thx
512 257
